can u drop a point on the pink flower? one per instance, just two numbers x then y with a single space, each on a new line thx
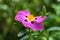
29 21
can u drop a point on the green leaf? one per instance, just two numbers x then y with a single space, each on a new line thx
21 33
58 0
24 38
51 38
47 1
56 35
43 38
57 8
3 7
54 28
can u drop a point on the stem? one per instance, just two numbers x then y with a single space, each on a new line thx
47 35
38 38
29 35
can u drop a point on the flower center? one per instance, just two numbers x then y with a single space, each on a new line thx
30 17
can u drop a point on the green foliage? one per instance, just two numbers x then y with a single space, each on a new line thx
13 30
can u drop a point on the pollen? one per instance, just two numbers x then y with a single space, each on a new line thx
30 17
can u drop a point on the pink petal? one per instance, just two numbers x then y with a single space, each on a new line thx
26 24
20 18
40 19
21 15
37 26
34 26
23 12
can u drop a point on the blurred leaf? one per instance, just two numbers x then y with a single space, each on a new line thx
43 38
56 35
35 33
57 8
36 2
5 30
1 37
58 0
57 19
1 1
49 20
3 7
54 28
51 38
21 33
47 1
24 38
47 14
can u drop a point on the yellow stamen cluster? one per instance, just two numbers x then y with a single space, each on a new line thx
30 17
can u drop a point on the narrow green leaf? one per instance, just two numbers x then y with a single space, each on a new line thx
21 33
54 28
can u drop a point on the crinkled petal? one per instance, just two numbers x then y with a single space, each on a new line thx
23 12
40 19
37 26
34 26
26 23
21 15
20 18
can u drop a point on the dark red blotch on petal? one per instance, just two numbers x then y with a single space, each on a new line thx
32 22
35 18
26 16
26 20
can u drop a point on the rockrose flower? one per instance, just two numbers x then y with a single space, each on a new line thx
29 21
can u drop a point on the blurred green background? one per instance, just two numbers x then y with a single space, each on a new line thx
13 30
